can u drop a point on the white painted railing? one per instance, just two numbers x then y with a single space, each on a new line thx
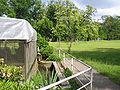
71 62
89 69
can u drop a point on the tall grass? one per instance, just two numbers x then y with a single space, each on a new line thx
104 56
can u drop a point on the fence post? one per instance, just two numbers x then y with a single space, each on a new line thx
72 64
91 79
59 52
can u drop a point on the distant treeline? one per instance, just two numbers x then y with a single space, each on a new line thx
62 20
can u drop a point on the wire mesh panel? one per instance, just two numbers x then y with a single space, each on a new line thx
20 53
12 52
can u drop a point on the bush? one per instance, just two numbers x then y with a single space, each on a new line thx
42 79
72 82
46 52
54 57
67 72
11 73
44 47
11 78
10 85
41 42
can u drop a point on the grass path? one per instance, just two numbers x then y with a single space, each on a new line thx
104 56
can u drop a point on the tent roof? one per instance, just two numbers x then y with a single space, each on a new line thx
16 29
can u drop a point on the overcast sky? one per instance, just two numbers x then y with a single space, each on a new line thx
104 7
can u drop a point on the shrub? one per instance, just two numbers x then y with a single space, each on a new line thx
11 78
67 72
10 85
42 79
54 57
72 82
41 42
44 47
11 73
46 52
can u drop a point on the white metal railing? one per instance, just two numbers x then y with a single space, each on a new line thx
89 69
71 62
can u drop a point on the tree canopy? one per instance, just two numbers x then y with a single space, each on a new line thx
110 28
61 19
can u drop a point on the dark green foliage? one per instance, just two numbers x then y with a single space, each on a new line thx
53 57
42 79
44 47
46 52
5 9
67 72
73 83
61 19
44 27
110 28
41 42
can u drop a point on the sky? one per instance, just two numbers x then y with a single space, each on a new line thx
104 7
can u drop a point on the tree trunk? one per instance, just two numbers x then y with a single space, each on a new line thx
69 46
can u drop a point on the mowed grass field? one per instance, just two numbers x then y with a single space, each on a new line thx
104 56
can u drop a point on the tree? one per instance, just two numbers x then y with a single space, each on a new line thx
110 27
5 9
59 19
70 23
44 27
21 8
80 24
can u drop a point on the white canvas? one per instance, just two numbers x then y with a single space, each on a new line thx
18 29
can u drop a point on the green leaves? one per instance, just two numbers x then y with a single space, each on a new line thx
58 19
54 57
44 47
5 9
110 28
42 79
44 27
11 73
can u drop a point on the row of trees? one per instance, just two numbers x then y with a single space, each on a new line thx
62 20
110 28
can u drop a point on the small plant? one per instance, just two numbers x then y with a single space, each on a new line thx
11 78
11 85
73 83
44 47
46 52
11 73
41 42
53 57
43 79
67 72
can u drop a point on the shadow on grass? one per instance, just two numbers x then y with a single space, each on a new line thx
108 56
104 60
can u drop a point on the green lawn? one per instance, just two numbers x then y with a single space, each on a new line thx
104 56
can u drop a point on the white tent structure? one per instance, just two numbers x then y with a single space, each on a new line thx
18 44
11 28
